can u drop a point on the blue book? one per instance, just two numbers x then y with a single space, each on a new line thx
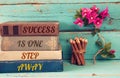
31 66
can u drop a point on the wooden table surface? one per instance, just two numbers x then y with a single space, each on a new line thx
64 11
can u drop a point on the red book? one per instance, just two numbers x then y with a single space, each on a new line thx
30 28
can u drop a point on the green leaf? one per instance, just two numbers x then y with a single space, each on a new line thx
111 56
108 51
95 31
78 14
99 43
107 46
104 55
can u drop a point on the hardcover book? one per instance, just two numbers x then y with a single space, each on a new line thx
30 28
31 66
31 55
29 43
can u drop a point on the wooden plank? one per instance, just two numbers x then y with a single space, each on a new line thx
101 70
112 37
64 13
53 1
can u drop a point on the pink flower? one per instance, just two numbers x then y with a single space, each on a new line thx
94 8
79 22
98 22
104 13
91 17
112 51
85 12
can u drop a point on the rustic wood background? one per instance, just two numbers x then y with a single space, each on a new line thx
63 11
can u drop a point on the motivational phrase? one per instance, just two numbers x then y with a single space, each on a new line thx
30 43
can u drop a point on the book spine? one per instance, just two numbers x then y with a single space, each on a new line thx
30 55
30 29
29 43
31 66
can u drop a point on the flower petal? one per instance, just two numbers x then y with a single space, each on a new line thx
98 22
112 51
94 8
104 13
79 22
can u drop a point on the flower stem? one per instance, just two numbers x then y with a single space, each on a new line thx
114 18
102 38
94 58
103 44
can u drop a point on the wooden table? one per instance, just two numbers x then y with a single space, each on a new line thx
64 11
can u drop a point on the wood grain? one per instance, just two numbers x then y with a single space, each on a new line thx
64 13
55 1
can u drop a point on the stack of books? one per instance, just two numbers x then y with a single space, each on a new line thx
30 47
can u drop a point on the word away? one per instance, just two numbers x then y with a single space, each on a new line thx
29 67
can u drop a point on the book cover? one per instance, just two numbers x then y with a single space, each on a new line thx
31 55
29 43
31 28
31 66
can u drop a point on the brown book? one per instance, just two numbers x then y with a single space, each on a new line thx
29 43
30 28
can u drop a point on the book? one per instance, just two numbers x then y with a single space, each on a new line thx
29 43
31 66
31 28
31 55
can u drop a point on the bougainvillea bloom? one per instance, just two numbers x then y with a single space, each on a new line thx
112 51
98 22
79 22
92 17
104 13
85 12
94 8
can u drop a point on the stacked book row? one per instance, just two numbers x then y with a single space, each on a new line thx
30 47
